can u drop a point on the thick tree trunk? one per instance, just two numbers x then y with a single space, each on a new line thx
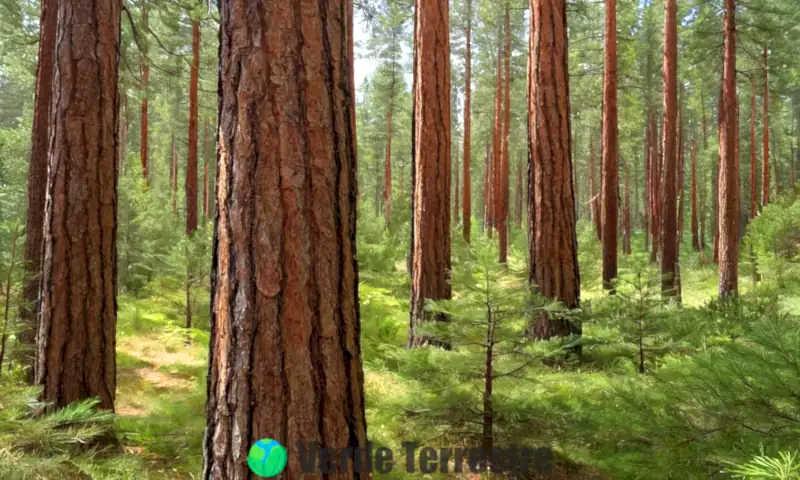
191 163
594 200
467 214
610 170
431 214
145 70
78 315
669 228
728 220
765 121
502 221
553 206
37 180
753 179
285 357
695 233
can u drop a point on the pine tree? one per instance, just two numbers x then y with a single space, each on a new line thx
610 172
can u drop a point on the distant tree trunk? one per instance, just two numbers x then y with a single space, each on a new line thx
206 153
285 275
37 181
145 70
502 221
123 129
467 127
487 186
191 163
729 165
655 192
594 201
669 230
610 171
765 155
648 162
174 176
457 174
387 164
626 214
78 315
555 272
695 234
431 215
7 293
753 179
497 143
518 199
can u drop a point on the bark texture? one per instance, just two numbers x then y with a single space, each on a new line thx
555 271
728 221
610 170
431 148
669 227
285 358
78 315
37 179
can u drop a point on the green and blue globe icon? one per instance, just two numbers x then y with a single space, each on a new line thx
267 458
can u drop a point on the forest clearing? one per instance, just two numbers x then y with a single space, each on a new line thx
351 239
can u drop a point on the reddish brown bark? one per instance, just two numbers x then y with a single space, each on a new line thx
431 214
647 179
609 187
37 180
753 179
554 245
594 200
669 228
191 161
457 173
145 70
729 165
78 315
466 232
765 120
503 181
695 234
285 315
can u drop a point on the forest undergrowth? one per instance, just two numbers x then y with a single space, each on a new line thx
693 390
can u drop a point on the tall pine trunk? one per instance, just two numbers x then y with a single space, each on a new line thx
37 180
765 121
431 148
145 70
191 164
609 187
467 214
502 221
669 227
78 314
728 221
285 315
497 142
554 240
695 233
